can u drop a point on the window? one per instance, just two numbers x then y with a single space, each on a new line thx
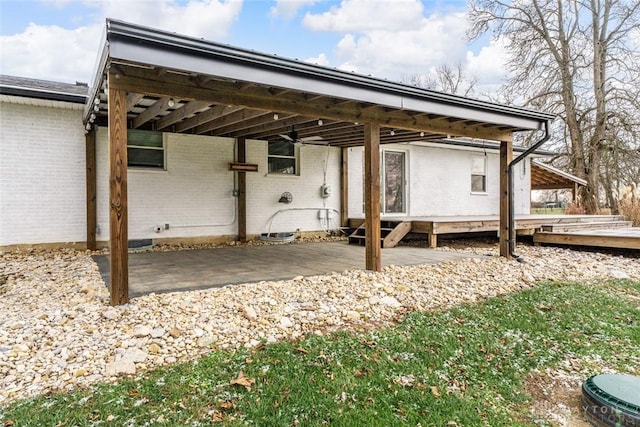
145 149
479 175
282 158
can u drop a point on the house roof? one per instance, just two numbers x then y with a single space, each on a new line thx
545 177
482 144
183 84
43 89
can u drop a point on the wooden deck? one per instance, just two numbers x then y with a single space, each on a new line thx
623 238
596 230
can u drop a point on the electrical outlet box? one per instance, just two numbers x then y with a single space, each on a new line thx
166 226
325 191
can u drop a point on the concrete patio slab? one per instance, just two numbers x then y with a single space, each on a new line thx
198 269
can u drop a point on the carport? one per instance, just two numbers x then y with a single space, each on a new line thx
151 79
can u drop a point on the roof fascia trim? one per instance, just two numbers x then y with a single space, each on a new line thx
486 145
140 39
563 174
42 94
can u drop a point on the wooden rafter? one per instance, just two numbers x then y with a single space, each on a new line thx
297 103
160 106
229 119
206 116
186 111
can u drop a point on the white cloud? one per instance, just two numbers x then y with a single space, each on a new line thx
51 52
210 19
397 54
396 40
489 63
367 15
55 53
321 59
287 9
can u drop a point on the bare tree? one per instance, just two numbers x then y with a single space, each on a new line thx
448 79
579 59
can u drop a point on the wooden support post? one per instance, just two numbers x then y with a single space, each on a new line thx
118 213
506 155
574 193
92 214
372 196
242 191
344 189
433 240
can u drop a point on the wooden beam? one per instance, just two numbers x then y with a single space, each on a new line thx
150 112
275 127
605 240
118 215
506 155
205 116
181 113
92 213
372 196
242 128
297 103
344 188
242 192
229 119
399 231
132 99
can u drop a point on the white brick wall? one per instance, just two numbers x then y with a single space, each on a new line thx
440 182
42 183
42 174
264 190
194 194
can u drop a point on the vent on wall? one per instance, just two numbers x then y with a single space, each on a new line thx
140 243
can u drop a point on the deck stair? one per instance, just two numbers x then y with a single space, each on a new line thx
391 233
584 226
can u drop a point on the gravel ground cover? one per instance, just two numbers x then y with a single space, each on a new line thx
58 332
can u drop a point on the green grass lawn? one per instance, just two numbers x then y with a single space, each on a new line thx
464 366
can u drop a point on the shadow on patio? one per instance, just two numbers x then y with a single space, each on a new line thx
206 268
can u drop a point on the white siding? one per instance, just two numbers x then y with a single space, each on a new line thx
195 194
42 174
440 182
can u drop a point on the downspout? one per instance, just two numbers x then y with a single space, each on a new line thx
512 219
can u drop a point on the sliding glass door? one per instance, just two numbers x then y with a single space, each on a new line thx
394 182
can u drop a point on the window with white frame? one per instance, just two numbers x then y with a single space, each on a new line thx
282 158
479 174
145 149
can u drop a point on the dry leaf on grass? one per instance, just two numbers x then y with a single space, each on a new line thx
243 381
217 416
229 404
435 391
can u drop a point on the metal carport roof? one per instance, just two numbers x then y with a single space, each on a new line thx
189 85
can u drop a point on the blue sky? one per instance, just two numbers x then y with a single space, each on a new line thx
394 39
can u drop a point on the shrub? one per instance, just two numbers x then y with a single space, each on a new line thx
575 208
629 205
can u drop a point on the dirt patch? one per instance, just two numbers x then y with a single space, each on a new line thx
556 400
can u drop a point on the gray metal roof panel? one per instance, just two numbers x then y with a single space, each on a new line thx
151 46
